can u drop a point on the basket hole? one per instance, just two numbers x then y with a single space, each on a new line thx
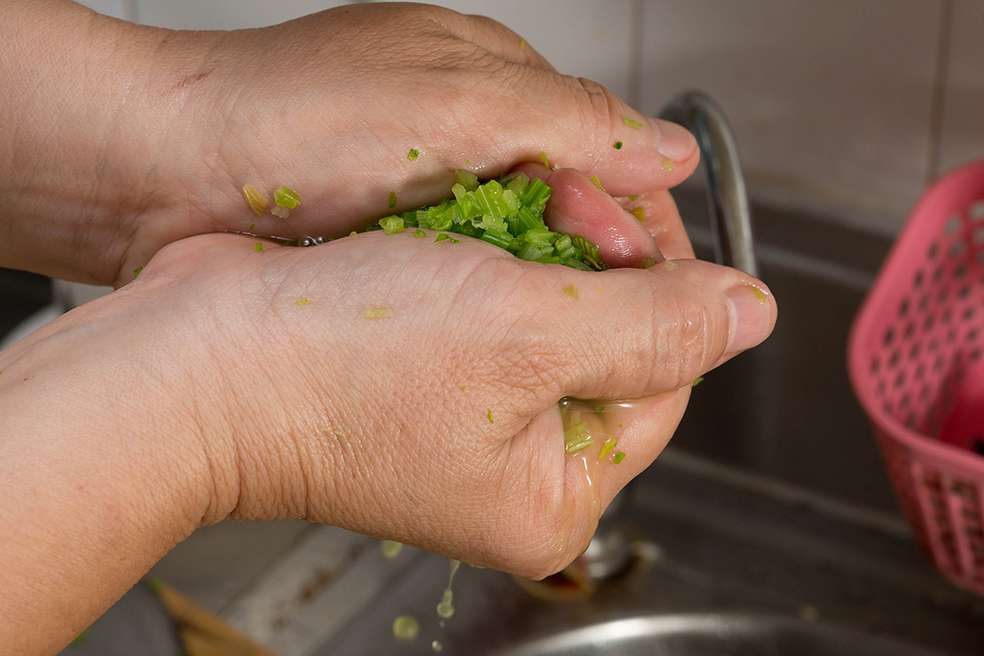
975 355
900 380
951 334
979 235
904 307
938 363
952 224
968 314
929 322
893 360
977 210
910 328
889 336
946 315
875 365
919 373
933 344
924 303
910 422
972 331
881 388
964 291
924 392
933 250
914 350
938 274
959 270
917 280
957 248
904 401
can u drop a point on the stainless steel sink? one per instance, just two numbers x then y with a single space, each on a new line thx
714 635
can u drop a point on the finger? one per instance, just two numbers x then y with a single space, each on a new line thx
657 212
578 207
627 333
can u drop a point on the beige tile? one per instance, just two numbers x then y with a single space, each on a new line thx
831 101
962 138
588 38
225 14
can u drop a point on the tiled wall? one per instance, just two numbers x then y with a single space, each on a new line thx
845 107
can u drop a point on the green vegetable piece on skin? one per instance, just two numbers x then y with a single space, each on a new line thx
390 548
137 272
488 415
697 381
287 198
618 457
577 436
419 234
617 145
466 179
413 154
607 447
391 201
258 247
406 627
631 122
392 225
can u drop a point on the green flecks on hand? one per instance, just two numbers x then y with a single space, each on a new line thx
760 295
446 237
545 160
466 179
667 165
631 122
596 181
392 225
618 457
577 436
648 262
639 213
617 145
353 233
522 44
697 381
391 200
137 272
258 247
570 291
488 415
633 197
287 198
302 301
251 228
419 234
413 154
378 312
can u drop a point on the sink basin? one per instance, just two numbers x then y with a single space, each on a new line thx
714 635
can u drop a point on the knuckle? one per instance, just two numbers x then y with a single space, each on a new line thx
683 341
598 107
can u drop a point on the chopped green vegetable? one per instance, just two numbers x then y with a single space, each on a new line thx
607 447
648 262
391 201
251 228
353 233
639 213
413 154
406 627
522 44
280 212
596 181
633 197
379 312
759 294
445 608
577 436
618 457
392 225
137 272
258 247
570 291
418 233
617 145
545 160
466 179
390 548
302 301
631 122
697 381
600 409
287 198
667 165
256 199
488 415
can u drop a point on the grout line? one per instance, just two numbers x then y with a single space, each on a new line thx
938 100
635 53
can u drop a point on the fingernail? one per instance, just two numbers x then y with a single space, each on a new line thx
675 141
751 316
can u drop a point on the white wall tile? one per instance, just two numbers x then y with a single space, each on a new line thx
115 8
831 101
963 109
225 14
587 38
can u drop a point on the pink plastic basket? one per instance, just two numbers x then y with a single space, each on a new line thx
916 366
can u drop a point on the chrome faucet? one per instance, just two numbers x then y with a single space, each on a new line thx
610 551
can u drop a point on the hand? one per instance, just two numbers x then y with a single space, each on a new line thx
153 133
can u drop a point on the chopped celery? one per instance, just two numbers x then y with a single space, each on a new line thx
391 200
280 212
256 199
287 198
488 415
648 262
466 179
570 291
607 447
639 213
137 272
697 381
406 627
258 247
302 301
631 122
545 160
633 197
577 436
618 457
391 225
667 165
413 154
379 312
596 181
617 145
418 233
390 548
